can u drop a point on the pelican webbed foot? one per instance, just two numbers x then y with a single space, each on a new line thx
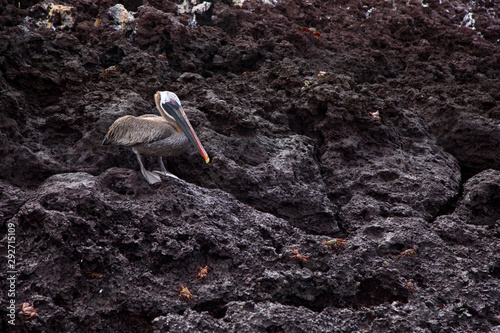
151 177
164 171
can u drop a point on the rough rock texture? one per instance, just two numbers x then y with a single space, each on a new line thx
298 154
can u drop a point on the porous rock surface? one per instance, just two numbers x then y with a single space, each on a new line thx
298 157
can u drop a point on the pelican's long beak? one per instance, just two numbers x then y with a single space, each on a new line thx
169 105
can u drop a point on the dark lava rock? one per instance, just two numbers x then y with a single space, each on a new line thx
383 132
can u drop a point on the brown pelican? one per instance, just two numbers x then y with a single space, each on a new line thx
152 135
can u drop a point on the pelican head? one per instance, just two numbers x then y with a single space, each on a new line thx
169 106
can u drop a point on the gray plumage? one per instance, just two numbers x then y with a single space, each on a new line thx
149 135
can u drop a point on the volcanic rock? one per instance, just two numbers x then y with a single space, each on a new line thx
375 122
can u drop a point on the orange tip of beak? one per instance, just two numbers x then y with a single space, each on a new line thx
207 159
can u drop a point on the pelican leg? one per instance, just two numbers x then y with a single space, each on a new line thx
151 178
164 170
